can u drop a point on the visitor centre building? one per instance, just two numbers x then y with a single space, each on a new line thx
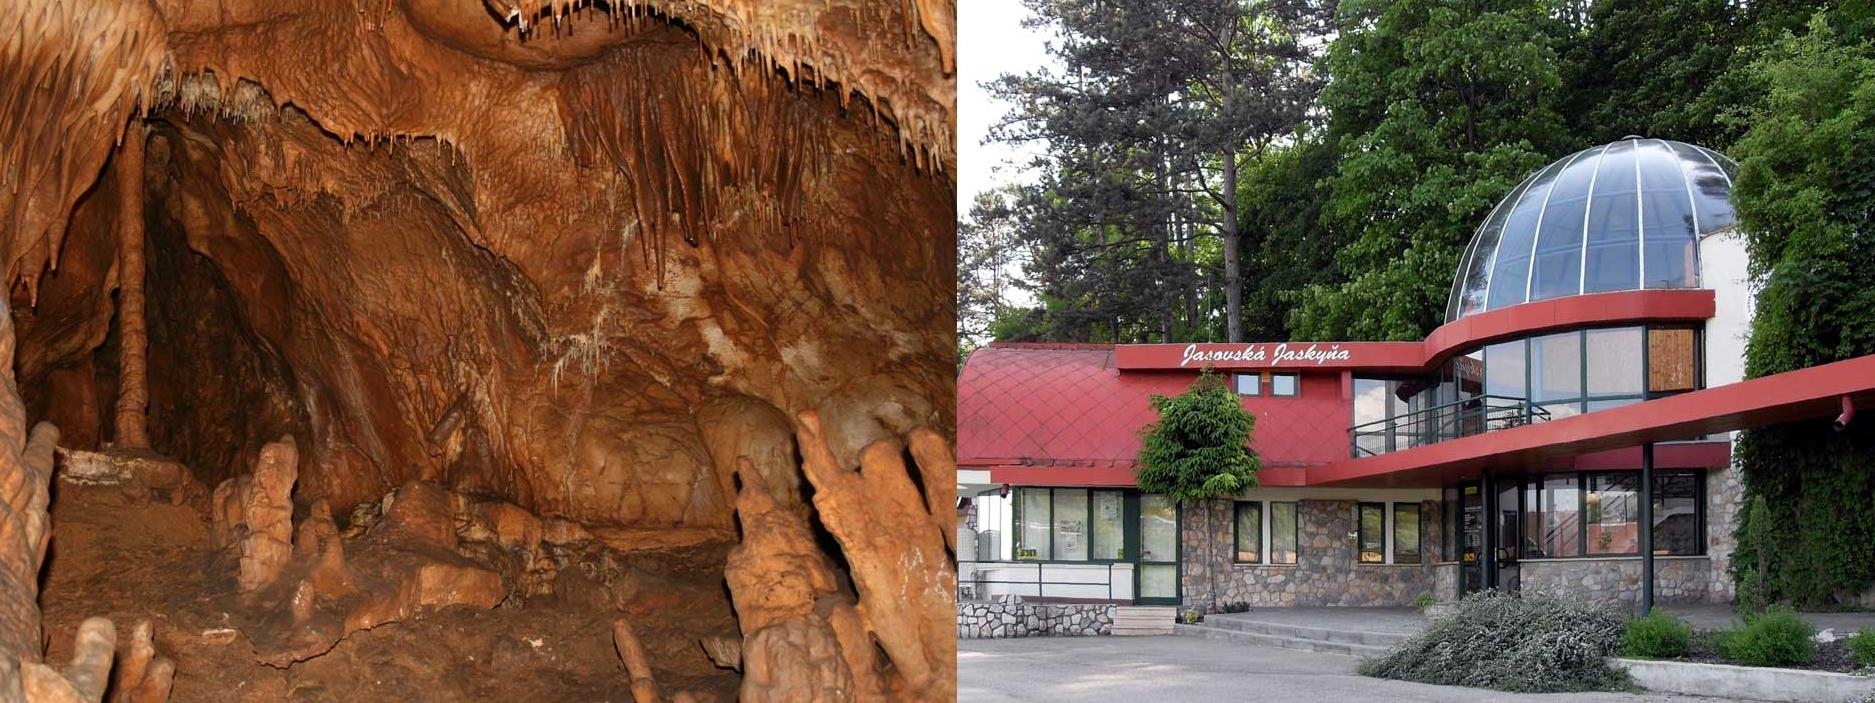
1569 428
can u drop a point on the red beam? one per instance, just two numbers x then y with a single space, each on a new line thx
1787 397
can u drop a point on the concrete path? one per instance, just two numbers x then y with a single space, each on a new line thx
1151 669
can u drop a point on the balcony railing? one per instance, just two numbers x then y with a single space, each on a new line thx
1036 580
1438 423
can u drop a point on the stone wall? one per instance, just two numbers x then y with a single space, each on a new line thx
1326 573
981 620
1725 494
1618 580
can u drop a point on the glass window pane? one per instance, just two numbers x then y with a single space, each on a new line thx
1557 359
1109 520
1249 384
1283 533
1406 533
1071 524
1595 405
1677 529
1504 370
1670 361
1477 265
1510 268
1558 268
1614 513
1614 255
1370 416
1711 189
1284 384
1032 539
1558 528
1250 532
1667 227
1556 411
1614 361
1373 528
1158 581
1158 529
1509 544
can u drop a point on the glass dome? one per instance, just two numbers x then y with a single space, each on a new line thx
1621 216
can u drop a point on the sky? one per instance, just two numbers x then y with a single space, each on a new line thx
991 41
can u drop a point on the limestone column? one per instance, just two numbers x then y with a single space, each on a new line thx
133 389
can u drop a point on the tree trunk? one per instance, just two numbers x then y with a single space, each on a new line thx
133 390
1233 274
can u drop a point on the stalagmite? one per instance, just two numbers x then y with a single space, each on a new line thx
896 548
133 389
632 653
253 514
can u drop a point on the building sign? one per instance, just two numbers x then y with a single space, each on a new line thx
1281 354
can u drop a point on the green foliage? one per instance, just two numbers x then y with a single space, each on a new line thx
1660 635
1862 647
1438 109
1424 600
1805 196
1526 643
1771 639
1199 449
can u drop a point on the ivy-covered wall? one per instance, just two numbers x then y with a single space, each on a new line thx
1806 198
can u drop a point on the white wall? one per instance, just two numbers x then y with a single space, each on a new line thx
1723 268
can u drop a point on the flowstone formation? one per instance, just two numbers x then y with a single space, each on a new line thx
347 323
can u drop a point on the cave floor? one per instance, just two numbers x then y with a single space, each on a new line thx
130 559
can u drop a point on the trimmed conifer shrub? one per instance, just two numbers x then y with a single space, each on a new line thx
1532 643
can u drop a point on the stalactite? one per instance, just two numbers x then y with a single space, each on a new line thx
133 390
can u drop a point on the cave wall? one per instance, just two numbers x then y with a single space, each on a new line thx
437 251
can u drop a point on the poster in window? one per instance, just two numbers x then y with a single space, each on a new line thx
1068 536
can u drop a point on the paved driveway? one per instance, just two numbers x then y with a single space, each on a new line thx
1148 669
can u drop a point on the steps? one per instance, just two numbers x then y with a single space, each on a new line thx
1243 630
1139 620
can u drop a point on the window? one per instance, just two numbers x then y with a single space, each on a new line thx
1554 524
1109 526
1071 524
1671 363
1033 538
1614 362
1612 507
1249 533
1679 514
1283 533
1371 519
1285 384
1406 533
1249 384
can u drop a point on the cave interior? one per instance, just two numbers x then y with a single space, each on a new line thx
444 350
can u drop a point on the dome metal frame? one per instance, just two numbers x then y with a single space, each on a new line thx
1565 229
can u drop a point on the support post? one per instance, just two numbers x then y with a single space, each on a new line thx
1647 528
1487 524
133 390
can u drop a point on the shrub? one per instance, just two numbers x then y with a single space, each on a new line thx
1862 647
1423 601
1659 636
1528 643
1771 639
1237 607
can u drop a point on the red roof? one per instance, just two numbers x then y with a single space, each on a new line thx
1067 405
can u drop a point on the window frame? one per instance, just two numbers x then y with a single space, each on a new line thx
1237 509
1269 552
1361 536
1583 482
1295 378
1016 514
1419 533
1237 384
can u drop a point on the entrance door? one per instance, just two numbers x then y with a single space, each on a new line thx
1157 572
1471 538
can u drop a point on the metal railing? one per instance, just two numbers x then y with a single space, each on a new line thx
1460 418
971 584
